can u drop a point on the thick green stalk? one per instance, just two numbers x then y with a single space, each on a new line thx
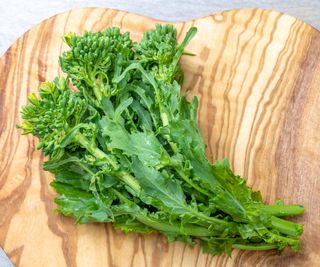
84 142
283 226
287 227
282 210
97 92
245 246
95 151
164 226
253 246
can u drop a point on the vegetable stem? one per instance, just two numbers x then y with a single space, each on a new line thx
163 226
95 150
253 246
287 227
282 210
186 179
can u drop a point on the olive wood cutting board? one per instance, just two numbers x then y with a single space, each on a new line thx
257 76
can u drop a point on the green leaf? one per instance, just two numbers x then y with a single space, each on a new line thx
141 144
161 189
107 107
123 105
146 121
79 204
129 224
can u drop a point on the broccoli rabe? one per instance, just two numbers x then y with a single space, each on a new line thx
125 147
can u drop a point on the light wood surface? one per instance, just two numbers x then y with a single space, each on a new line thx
257 76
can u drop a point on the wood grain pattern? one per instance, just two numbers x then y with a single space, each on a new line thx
256 75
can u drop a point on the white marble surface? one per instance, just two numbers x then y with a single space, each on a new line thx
17 16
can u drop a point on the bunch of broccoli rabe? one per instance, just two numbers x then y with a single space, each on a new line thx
125 147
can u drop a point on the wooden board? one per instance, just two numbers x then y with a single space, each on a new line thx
257 75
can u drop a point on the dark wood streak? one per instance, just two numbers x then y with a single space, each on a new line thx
156 254
183 251
206 262
84 19
226 104
135 249
256 75
17 196
207 107
213 76
181 30
270 259
15 199
107 229
212 154
245 255
122 19
261 64
198 255
274 261
64 32
4 72
106 20
223 15
7 125
15 255
143 248
241 91
190 90
196 77
238 259
233 67
225 259
98 21
3 83
276 96
110 18
254 32
289 156
69 242
12 129
211 258
44 39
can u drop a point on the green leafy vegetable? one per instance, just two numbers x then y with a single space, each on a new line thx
125 147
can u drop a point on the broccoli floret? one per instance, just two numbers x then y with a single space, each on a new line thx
51 116
94 59
159 52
